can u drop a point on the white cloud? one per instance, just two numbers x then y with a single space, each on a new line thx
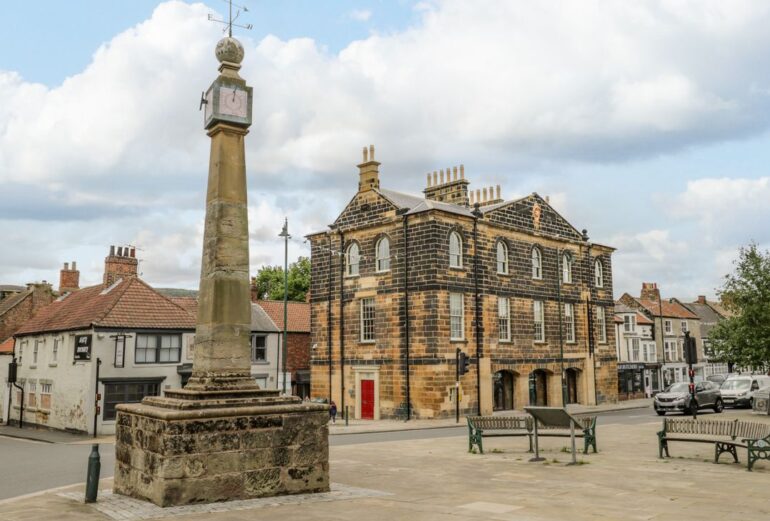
120 146
360 15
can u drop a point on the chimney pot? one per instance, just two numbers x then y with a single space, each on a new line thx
120 251
484 194
471 197
498 192
428 179
371 152
133 253
74 265
435 178
66 266
548 199
112 251
454 173
462 171
441 176
366 155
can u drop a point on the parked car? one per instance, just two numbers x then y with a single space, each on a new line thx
676 397
738 390
717 378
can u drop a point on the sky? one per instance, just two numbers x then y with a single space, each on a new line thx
646 123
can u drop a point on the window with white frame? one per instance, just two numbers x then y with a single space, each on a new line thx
537 264
539 320
353 258
154 348
629 323
635 350
383 254
35 350
569 321
598 274
683 325
45 388
367 319
55 350
456 317
21 351
670 350
455 250
502 258
258 348
667 327
566 268
503 319
602 320
651 353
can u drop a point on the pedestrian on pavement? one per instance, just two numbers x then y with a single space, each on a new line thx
333 412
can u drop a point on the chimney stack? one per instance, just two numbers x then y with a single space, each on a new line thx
69 278
368 172
702 299
120 264
448 185
650 291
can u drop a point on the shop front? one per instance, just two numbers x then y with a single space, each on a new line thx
631 381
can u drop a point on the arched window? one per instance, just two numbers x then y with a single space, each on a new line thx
566 268
537 264
502 257
455 250
383 254
599 274
352 258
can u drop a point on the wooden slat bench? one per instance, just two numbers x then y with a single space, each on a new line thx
495 426
727 436
480 427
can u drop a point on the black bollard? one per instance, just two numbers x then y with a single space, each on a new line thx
346 416
92 479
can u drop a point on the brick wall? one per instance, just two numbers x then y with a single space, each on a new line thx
36 297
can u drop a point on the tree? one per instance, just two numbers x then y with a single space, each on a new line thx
744 338
269 281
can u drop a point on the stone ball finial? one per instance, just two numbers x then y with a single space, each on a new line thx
229 50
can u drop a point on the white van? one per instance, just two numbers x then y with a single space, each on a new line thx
738 390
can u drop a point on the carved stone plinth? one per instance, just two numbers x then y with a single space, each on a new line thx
197 447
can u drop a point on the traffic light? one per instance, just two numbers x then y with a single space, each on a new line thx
462 363
690 351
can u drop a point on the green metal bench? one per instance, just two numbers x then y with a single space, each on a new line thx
727 436
480 427
588 427
495 426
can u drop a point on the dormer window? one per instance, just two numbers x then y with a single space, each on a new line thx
598 274
537 264
383 254
502 258
455 250
352 257
566 268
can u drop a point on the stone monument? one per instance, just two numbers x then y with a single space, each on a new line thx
221 437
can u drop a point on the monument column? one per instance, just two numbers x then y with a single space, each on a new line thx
221 437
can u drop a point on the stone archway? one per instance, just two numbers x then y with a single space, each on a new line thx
502 390
538 387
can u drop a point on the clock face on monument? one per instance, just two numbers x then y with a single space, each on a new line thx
233 102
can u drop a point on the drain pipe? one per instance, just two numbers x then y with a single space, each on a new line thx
329 316
406 319
342 322
479 353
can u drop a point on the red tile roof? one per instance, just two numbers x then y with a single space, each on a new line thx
298 314
642 319
129 304
6 347
670 309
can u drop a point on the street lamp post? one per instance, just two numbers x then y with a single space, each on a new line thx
285 234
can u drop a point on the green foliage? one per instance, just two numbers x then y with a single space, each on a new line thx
269 281
744 338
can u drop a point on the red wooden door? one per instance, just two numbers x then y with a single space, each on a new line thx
367 399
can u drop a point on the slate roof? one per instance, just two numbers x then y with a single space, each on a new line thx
708 317
6 347
641 319
261 321
11 287
298 314
128 304
417 204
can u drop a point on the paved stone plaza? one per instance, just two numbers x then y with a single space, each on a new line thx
437 479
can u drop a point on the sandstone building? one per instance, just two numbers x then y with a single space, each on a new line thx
399 282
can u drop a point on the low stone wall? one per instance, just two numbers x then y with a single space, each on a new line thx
200 460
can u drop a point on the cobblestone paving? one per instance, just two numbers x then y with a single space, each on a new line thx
124 508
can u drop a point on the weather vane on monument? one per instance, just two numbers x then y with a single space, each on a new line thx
231 20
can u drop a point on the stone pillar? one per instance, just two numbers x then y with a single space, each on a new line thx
221 437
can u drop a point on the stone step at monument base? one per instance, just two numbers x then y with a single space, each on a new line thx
173 451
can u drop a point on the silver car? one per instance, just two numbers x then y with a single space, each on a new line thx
676 398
